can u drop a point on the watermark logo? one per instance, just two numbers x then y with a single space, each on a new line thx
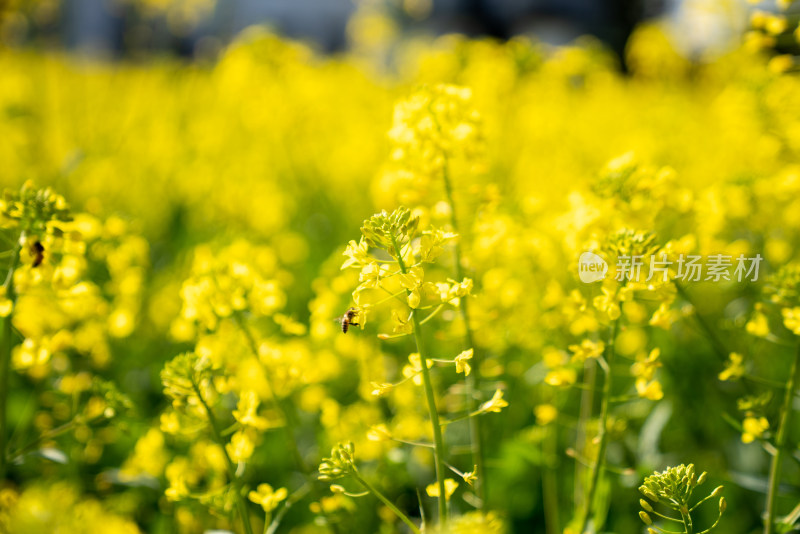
691 268
591 267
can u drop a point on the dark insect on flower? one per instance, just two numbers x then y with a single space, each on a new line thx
37 251
348 319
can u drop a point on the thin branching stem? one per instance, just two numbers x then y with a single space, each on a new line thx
403 517
273 525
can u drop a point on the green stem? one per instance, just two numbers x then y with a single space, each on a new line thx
472 382
241 506
403 517
597 466
712 527
687 520
291 501
587 401
267 522
5 363
438 441
780 445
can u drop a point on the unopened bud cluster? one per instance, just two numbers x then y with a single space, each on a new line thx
673 488
383 230
340 464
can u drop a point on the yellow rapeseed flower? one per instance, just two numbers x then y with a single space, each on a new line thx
268 498
450 487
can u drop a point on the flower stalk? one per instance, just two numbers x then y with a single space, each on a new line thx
602 436
686 517
389 504
438 441
472 380
780 446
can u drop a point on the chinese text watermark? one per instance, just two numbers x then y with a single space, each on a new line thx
687 268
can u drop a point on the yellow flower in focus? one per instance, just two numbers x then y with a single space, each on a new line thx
734 368
451 291
450 487
754 427
495 404
461 362
471 476
357 254
267 498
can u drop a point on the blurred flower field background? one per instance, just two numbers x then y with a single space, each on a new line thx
185 242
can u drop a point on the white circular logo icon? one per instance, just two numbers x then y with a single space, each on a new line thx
591 267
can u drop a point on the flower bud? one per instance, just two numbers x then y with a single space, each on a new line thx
723 505
717 491
645 518
646 505
650 495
